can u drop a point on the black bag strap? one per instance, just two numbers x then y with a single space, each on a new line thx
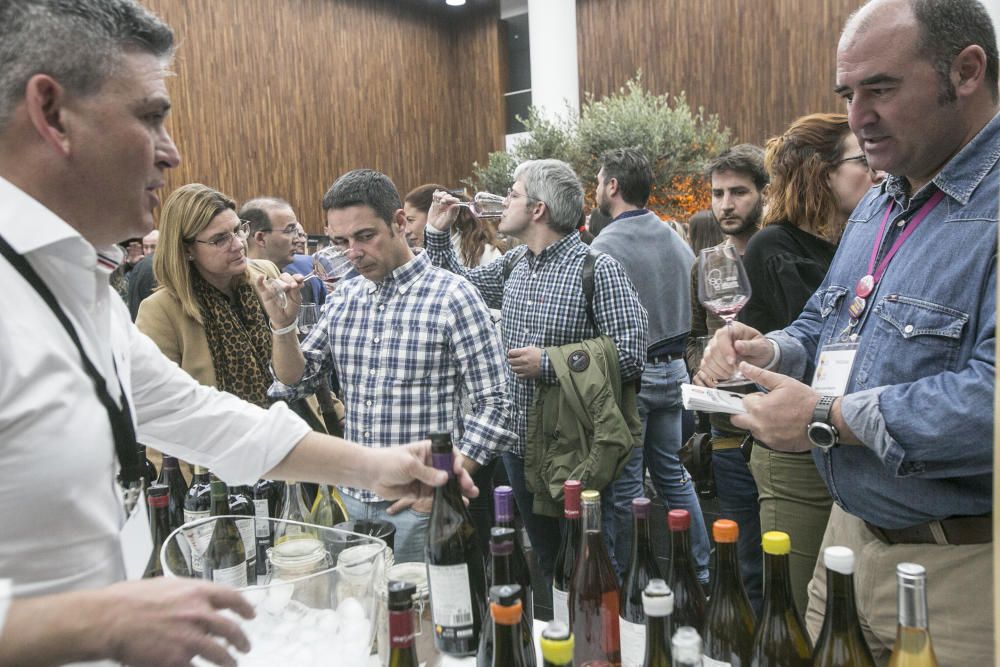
126 445
514 256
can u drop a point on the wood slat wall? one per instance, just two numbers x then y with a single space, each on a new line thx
759 64
280 97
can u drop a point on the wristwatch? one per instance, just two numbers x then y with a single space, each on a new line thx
820 431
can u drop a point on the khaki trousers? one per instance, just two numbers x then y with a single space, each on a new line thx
959 592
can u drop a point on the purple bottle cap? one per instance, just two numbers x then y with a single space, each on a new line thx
503 501
640 508
444 461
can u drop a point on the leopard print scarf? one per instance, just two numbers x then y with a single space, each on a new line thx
238 339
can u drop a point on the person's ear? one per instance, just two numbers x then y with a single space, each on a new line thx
45 101
968 70
766 192
399 221
258 238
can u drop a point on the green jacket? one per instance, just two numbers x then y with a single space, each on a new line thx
582 428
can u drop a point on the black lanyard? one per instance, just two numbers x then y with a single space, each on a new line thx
122 427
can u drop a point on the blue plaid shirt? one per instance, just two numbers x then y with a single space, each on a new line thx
542 304
406 350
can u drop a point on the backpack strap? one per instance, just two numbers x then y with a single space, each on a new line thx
587 278
510 260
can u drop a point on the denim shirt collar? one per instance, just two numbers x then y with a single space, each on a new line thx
961 175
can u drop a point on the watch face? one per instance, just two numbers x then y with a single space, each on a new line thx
821 435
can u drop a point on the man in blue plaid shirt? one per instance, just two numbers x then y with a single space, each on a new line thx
408 341
542 304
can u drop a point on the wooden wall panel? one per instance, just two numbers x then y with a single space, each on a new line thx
759 64
282 96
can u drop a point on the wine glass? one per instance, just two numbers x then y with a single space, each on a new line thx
329 265
485 205
308 317
723 286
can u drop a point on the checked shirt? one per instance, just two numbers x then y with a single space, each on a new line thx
542 305
406 350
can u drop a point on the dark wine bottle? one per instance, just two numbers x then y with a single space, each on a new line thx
503 503
594 594
729 621
198 505
781 639
913 647
509 645
455 570
266 503
569 549
557 645
149 474
170 475
225 557
689 596
502 549
686 647
241 504
658 605
159 524
642 568
402 652
841 642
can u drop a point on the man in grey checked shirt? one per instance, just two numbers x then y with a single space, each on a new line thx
542 305
407 340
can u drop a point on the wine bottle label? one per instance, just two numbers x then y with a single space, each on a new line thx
633 643
451 595
198 538
246 527
560 605
711 662
263 525
235 576
400 629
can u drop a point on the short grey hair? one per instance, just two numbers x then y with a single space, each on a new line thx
554 183
77 42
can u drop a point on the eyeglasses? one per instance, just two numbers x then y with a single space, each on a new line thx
290 230
222 241
514 194
863 159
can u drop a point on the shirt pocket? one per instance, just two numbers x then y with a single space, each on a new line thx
830 300
414 352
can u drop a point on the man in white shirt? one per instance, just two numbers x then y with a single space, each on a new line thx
83 153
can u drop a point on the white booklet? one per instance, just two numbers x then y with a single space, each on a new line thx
704 399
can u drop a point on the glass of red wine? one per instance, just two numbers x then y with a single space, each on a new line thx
723 287
329 265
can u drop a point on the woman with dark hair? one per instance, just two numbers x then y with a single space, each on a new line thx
704 231
818 175
475 240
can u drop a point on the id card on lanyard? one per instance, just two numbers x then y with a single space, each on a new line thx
833 369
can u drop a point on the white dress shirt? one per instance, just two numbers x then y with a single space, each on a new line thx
58 496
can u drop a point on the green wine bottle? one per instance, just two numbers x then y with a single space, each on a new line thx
781 639
657 605
225 558
729 620
198 505
841 642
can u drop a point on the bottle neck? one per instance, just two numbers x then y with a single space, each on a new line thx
220 504
912 604
591 516
161 525
641 544
500 566
777 584
728 576
841 610
507 644
200 476
401 629
658 638
680 546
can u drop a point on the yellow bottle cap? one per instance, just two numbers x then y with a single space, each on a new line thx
557 651
776 543
591 496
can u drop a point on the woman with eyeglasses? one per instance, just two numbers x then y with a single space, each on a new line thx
818 175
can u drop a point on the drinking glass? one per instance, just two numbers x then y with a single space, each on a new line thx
485 205
329 265
723 286
308 317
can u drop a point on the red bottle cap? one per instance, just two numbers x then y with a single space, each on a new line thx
571 498
678 520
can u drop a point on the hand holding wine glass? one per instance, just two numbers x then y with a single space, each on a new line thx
723 286
329 265
445 208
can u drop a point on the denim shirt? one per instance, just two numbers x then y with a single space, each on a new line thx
920 394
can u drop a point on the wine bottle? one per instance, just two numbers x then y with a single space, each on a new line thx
689 596
729 620
503 503
913 646
455 570
170 475
264 506
293 508
241 504
841 642
325 512
506 610
569 548
641 569
594 594
225 557
557 645
502 548
402 652
197 505
149 474
159 524
658 605
686 647
781 639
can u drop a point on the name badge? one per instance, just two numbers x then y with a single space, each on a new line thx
136 540
833 371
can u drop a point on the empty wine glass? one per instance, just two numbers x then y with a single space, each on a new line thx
485 205
308 317
329 265
723 286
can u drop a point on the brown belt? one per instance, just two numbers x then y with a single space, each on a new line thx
727 442
954 530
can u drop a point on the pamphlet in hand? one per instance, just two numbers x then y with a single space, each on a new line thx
703 399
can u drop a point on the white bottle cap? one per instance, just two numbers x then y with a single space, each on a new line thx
839 559
658 599
686 646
